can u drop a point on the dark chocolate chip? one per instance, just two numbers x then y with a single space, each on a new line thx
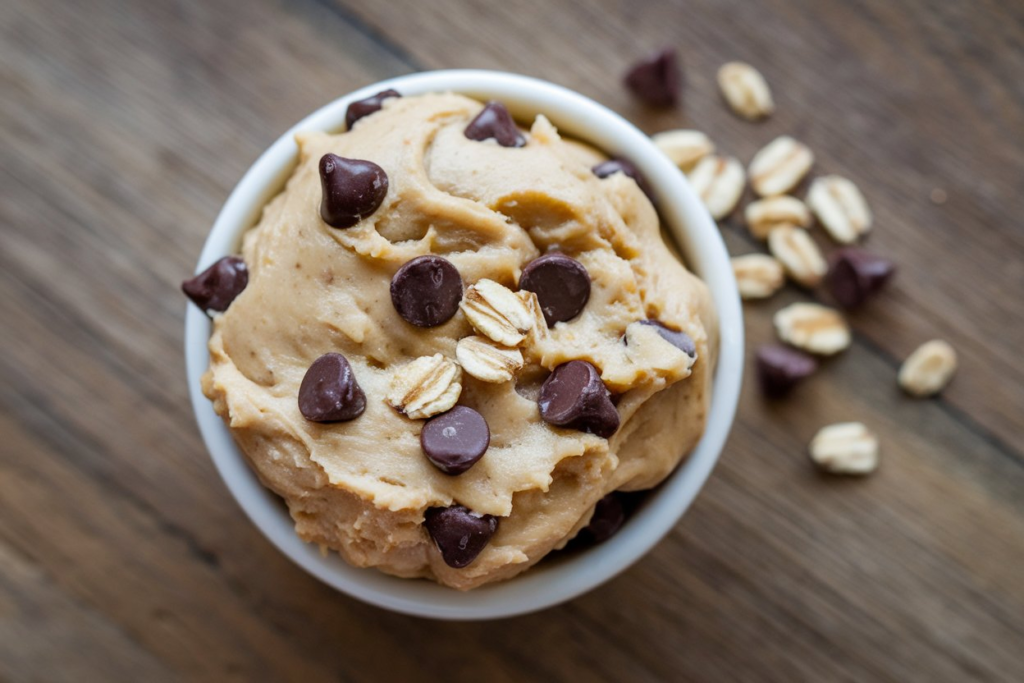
854 275
676 338
352 189
455 440
562 286
365 107
329 391
216 287
781 368
607 168
494 121
655 80
426 291
574 396
609 515
460 534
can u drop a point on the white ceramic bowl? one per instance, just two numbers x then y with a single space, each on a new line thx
551 582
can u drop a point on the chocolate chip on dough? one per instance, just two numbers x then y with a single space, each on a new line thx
617 165
574 396
854 275
426 291
780 368
459 533
352 190
655 80
494 121
609 515
562 286
367 106
329 391
676 338
454 441
216 287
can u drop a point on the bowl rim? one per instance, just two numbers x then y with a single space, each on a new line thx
544 586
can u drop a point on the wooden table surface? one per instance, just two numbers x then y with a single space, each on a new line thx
122 557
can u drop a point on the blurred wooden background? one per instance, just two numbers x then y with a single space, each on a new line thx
124 126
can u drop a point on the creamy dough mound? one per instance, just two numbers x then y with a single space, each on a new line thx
362 487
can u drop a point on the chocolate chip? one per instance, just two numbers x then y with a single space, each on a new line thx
676 338
329 391
460 534
455 440
494 121
607 168
365 107
655 80
426 291
609 515
854 275
352 189
216 287
574 396
780 368
562 286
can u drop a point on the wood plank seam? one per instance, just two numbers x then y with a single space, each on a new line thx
378 36
957 414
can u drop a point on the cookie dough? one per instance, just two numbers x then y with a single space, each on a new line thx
362 487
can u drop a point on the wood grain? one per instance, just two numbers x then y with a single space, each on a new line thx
122 556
